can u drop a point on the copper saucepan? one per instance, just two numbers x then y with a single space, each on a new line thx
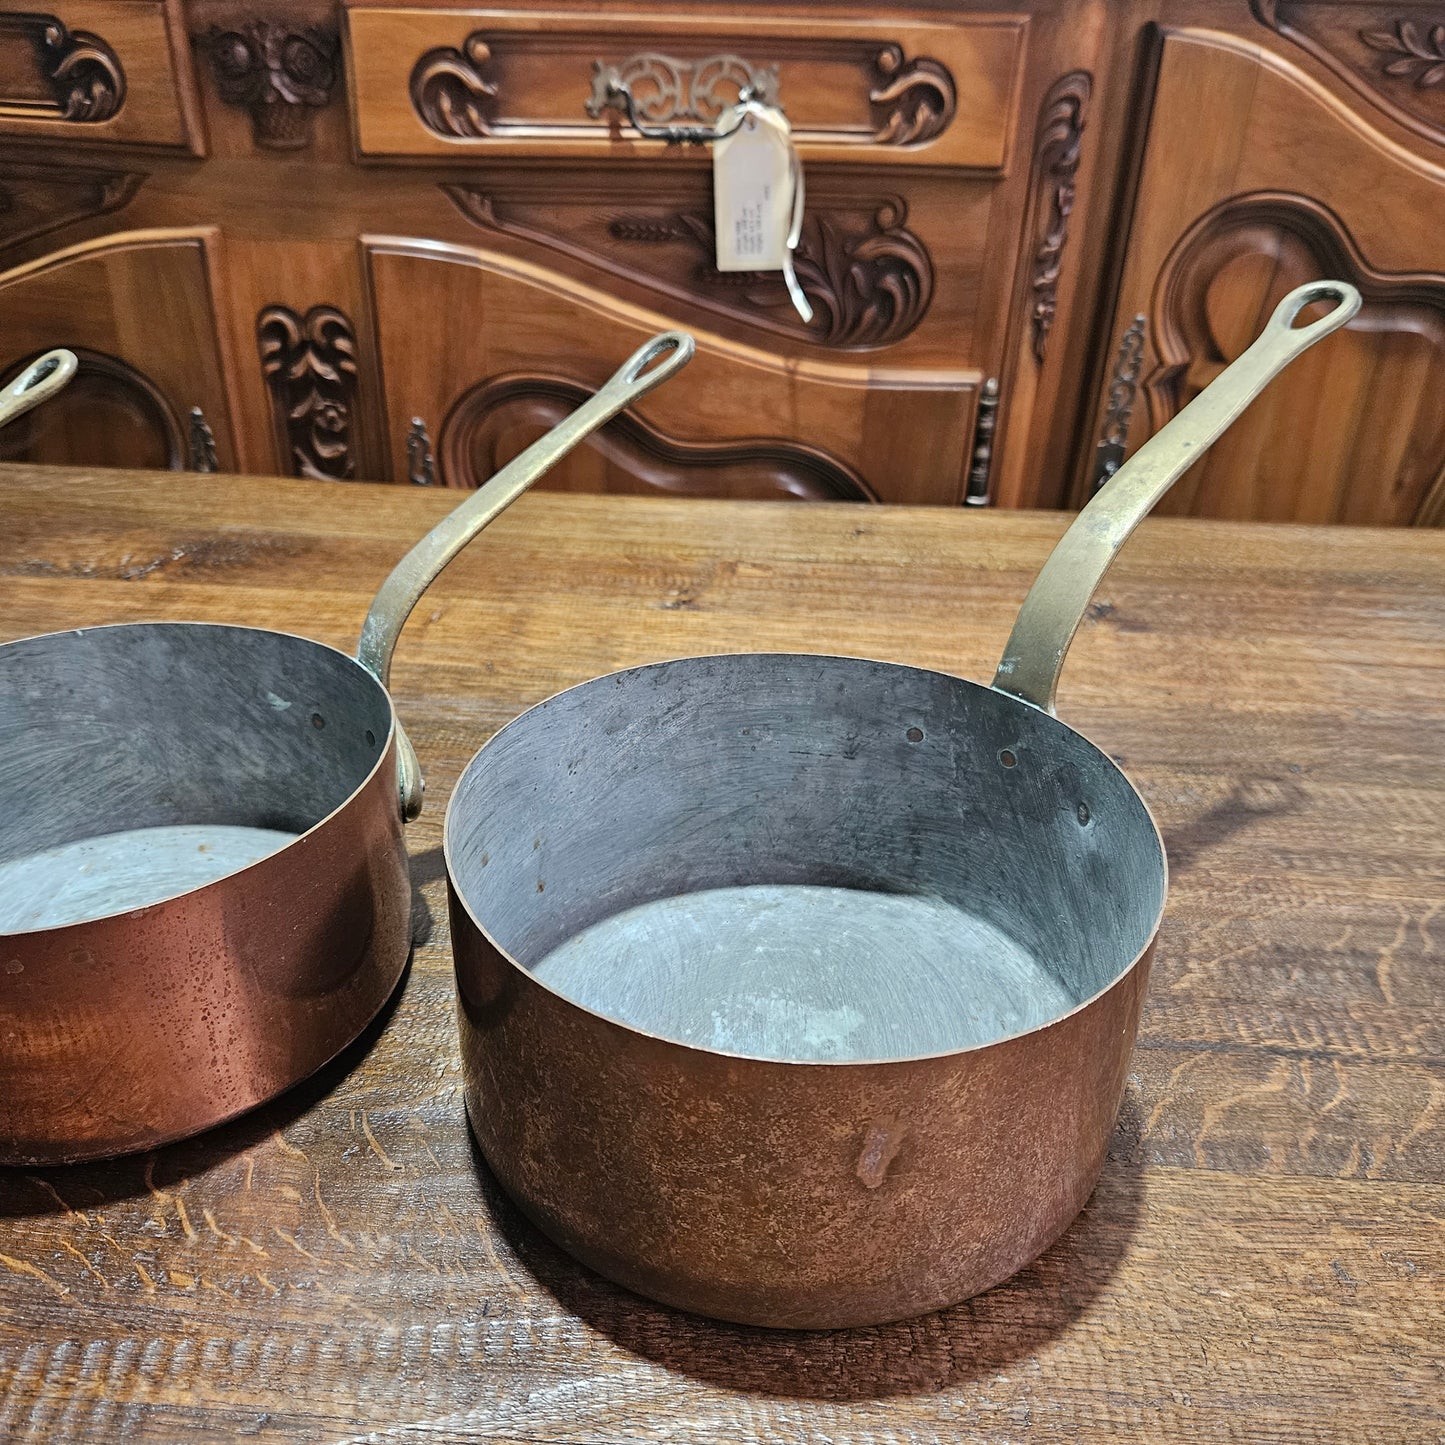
800 990
203 882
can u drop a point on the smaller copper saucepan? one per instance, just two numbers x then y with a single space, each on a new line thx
203 883
800 990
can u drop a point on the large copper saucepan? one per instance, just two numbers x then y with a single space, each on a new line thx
800 990
203 882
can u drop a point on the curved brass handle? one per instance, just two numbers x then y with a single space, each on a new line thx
1055 604
38 382
650 364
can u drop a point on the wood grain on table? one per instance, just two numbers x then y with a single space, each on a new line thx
1264 1257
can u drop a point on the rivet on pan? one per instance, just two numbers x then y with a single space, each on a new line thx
1007 758
1083 813
914 735
317 721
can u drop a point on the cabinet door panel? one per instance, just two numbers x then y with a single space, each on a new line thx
488 351
1288 184
137 309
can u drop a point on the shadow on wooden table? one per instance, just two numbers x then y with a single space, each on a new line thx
109 1180
1015 1321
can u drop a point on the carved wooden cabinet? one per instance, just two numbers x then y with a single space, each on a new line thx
1308 142
398 241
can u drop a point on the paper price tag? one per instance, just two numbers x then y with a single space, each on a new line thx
752 189
757 190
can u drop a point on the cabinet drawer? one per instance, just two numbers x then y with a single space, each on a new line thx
95 70
506 83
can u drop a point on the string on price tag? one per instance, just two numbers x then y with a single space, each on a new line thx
757 187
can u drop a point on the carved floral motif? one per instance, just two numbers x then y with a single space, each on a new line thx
310 366
868 288
278 75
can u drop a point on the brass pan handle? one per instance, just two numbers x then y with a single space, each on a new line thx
1055 604
38 382
651 363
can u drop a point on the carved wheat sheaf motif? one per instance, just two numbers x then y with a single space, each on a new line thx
869 278
310 367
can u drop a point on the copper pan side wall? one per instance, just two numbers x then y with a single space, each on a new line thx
787 1195
131 1031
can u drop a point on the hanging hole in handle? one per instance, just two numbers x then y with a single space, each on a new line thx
652 356
48 366
658 358
1305 307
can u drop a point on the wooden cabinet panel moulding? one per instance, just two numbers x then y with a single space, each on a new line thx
97 70
869 278
457 83
36 197
1296 186
1392 55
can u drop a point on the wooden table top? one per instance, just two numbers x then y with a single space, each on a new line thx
1264 1258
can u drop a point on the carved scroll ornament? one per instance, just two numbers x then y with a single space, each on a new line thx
1061 129
869 278
82 72
310 367
450 93
915 100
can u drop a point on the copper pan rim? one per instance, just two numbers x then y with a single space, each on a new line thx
532 980
385 751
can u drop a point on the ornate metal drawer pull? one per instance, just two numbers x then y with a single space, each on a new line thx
1119 409
421 467
675 90
201 444
980 473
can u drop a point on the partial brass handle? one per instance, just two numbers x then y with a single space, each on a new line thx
1055 604
650 364
38 382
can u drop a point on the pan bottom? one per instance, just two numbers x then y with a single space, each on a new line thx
94 877
802 973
